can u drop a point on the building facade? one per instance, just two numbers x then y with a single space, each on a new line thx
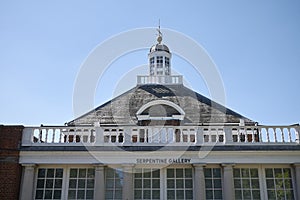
160 140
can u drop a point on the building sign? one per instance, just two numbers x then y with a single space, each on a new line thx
163 160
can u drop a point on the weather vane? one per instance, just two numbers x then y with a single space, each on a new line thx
159 38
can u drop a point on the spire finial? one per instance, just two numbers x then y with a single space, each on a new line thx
159 38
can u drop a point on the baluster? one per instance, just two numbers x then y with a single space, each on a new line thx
275 135
282 134
289 134
238 134
181 135
60 135
40 136
253 135
268 135
53 135
46 136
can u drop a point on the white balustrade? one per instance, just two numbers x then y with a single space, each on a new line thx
153 135
174 79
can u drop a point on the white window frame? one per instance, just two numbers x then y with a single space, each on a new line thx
212 178
262 176
65 179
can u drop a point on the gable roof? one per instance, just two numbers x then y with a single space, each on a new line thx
122 109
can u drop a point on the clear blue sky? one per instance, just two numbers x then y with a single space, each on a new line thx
255 45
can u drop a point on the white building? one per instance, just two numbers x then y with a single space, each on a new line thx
161 140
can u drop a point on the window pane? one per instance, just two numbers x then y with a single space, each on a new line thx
155 183
155 174
110 183
155 194
217 183
80 194
170 173
269 173
188 173
179 183
109 194
171 194
48 194
147 183
39 194
147 194
245 172
179 173
40 183
255 183
57 194
218 194
216 172
72 194
82 173
254 173
207 173
49 183
81 183
73 173
137 194
89 194
189 183
170 183
180 194
246 194
42 173
50 173
91 173
256 194
238 194
59 173
189 194
72 183
208 183
58 183
237 183
288 183
90 183
147 175
118 194
246 183
236 173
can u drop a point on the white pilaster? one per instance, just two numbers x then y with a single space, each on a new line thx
99 190
228 185
199 181
27 182
128 189
297 180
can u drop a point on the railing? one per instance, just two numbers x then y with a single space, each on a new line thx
151 135
174 79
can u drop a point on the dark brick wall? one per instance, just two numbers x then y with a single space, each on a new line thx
10 170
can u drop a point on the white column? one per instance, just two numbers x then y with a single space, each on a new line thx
27 182
99 189
199 181
228 185
128 189
297 180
